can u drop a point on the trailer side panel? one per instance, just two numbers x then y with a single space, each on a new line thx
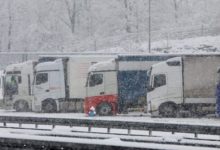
200 74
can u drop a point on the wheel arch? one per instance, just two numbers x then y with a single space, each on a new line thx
16 102
49 100
103 103
167 104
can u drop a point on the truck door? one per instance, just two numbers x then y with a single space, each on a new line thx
95 85
48 85
159 93
56 85
41 86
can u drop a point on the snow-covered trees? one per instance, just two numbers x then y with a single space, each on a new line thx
77 25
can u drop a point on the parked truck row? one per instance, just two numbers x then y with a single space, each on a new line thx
165 84
49 84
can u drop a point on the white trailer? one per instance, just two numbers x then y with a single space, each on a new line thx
18 86
60 84
183 84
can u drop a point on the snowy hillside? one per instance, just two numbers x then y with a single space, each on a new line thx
86 25
208 44
189 45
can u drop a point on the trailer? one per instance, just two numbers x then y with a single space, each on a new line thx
59 84
1 87
119 85
18 86
183 85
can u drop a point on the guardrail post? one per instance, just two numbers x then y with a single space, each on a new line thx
20 125
36 126
150 132
89 129
173 132
196 135
4 124
53 126
129 130
108 129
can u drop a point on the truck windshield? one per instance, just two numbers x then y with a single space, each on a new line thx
11 84
95 79
41 78
159 80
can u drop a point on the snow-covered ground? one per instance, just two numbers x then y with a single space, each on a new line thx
116 138
113 141
140 118
206 44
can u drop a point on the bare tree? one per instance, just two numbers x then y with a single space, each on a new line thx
127 9
88 5
10 22
71 9
176 4
137 22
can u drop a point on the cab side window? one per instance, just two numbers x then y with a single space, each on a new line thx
41 78
95 79
159 80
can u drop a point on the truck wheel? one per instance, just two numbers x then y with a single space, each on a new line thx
104 109
168 110
49 106
21 106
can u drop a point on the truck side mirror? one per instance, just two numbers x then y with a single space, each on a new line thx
150 88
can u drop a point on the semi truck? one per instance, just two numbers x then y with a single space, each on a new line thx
18 86
59 84
119 85
183 86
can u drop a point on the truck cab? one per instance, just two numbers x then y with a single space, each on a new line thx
49 86
101 88
164 91
18 86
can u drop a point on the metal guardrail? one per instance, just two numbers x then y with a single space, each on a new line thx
109 124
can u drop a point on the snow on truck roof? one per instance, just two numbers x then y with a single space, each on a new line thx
103 66
178 58
19 65
119 57
50 65
77 55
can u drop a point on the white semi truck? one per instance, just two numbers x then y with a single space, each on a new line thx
183 85
59 85
119 85
18 80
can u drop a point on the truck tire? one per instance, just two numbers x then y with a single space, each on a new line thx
104 109
49 106
21 106
168 110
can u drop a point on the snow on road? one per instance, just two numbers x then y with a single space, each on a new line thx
59 135
140 118
117 137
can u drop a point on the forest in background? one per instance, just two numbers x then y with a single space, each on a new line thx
90 25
